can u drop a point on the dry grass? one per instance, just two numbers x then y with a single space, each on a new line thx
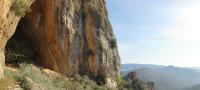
5 82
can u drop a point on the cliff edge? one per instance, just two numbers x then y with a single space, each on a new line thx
69 36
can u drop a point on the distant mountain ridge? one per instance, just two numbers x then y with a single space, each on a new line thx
165 77
195 87
127 67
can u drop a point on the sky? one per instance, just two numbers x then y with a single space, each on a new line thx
164 32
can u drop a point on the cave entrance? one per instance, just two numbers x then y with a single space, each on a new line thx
19 49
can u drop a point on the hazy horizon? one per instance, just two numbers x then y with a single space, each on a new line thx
157 31
161 65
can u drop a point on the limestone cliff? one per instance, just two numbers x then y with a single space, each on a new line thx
8 22
70 36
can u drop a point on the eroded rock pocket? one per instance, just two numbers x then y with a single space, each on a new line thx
19 49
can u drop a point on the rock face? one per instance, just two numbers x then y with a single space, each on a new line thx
73 37
131 76
70 36
151 86
8 23
6 29
132 82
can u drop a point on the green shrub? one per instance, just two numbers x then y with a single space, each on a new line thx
51 83
20 7
27 70
119 80
11 74
134 85
36 75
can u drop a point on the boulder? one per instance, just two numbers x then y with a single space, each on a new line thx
50 73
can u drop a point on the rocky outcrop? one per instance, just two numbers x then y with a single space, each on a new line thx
8 23
5 31
70 37
151 86
131 76
132 82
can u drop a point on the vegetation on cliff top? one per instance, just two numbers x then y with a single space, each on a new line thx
20 7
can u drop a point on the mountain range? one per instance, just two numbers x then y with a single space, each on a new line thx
166 77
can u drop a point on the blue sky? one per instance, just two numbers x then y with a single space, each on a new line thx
165 32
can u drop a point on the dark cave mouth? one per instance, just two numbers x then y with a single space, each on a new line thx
19 49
